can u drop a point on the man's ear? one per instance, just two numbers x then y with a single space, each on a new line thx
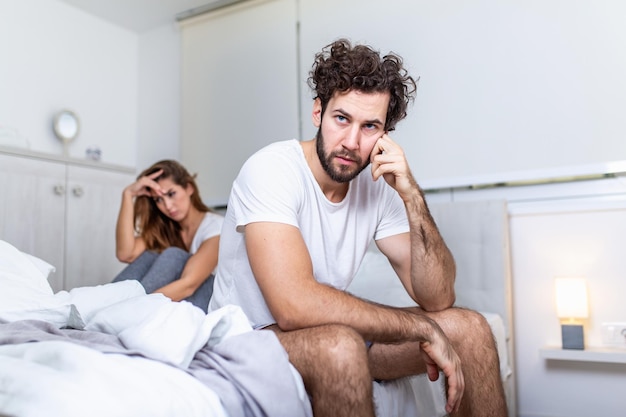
316 115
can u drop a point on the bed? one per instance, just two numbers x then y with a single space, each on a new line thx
112 350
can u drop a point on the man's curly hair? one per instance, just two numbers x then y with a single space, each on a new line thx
341 67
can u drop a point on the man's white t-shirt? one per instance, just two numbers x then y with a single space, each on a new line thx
277 185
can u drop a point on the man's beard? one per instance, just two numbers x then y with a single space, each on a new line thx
343 173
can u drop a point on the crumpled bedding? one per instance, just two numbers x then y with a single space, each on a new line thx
70 372
142 355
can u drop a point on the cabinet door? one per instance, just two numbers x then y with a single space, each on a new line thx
93 201
32 209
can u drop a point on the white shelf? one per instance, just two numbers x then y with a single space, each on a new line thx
591 354
27 153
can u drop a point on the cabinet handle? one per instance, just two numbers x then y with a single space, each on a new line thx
59 189
78 191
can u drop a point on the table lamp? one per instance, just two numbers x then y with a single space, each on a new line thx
572 308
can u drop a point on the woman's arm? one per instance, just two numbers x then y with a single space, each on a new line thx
128 246
197 269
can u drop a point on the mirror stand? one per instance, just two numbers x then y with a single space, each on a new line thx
66 128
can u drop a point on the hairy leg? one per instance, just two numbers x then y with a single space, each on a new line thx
473 341
332 361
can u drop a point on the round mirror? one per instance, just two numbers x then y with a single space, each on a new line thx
66 126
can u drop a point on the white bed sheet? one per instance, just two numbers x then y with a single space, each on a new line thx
60 378
67 380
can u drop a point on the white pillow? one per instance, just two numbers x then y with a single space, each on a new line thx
44 267
25 293
20 268
24 289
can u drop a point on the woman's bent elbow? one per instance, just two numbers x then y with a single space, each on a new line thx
124 257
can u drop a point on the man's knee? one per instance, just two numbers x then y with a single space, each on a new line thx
464 324
332 348
475 321
340 362
343 346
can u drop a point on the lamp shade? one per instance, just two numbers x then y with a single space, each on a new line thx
571 298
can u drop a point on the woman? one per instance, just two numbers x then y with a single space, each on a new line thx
167 235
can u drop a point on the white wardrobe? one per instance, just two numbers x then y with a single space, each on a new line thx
64 212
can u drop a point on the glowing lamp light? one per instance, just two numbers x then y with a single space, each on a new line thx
572 304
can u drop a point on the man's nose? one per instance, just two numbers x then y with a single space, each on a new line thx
352 139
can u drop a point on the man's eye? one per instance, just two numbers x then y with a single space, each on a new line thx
371 129
341 119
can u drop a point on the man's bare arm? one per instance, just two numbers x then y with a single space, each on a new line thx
421 258
282 267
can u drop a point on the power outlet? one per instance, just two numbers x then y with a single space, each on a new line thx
614 334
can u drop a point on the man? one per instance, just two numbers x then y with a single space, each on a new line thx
300 218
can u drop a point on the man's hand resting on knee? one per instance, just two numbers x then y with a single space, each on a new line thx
438 355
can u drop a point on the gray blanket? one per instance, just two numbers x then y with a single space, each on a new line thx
250 372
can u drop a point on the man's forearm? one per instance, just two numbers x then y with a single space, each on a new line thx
432 264
375 322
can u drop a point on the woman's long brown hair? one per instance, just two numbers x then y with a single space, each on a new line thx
157 230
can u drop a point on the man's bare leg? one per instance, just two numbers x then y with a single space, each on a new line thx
473 341
333 363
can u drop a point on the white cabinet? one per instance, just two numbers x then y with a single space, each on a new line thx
32 209
65 213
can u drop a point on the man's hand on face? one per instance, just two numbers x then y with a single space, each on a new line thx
388 160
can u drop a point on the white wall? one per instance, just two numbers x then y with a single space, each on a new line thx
570 229
239 90
562 240
505 85
159 95
55 56
124 86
